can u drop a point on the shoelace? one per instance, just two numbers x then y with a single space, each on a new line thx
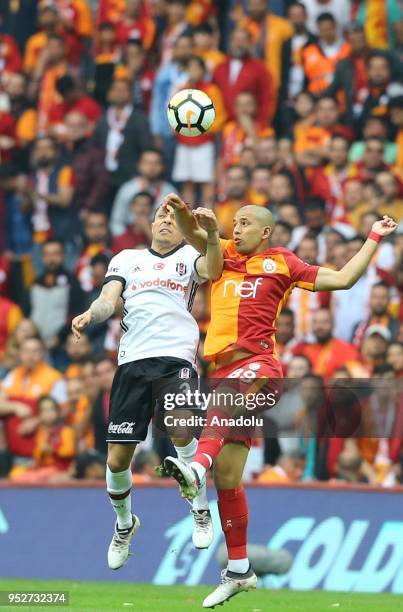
120 540
202 519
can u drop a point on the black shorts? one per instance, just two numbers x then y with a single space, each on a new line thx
137 388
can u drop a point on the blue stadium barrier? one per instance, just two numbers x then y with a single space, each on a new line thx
342 539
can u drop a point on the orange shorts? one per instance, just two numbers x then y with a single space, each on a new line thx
248 370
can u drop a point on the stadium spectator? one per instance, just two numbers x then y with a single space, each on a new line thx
285 336
327 353
292 72
319 59
282 235
55 443
77 414
236 195
90 465
339 9
379 315
150 171
176 26
243 131
33 377
260 185
105 370
135 25
106 56
56 291
21 108
392 192
72 100
305 303
205 41
52 64
78 352
91 179
268 32
372 160
373 96
394 358
136 68
122 133
289 468
138 232
49 198
194 158
96 241
10 316
396 117
169 79
242 72
350 76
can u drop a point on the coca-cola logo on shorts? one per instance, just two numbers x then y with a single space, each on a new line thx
121 428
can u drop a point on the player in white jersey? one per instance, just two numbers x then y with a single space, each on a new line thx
159 342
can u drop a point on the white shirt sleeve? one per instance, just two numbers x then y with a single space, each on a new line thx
119 267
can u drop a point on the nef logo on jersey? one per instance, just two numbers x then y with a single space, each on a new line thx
246 289
159 266
121 428
181 268
269 266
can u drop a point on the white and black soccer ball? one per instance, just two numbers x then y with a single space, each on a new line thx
190 112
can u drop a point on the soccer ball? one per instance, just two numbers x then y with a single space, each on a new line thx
190 112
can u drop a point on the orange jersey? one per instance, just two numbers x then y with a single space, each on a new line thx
249 296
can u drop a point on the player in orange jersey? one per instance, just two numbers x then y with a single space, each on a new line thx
245 304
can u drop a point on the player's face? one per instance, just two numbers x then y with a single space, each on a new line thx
248 233
164 229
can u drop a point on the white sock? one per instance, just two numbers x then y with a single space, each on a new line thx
239 566
116 484
186 453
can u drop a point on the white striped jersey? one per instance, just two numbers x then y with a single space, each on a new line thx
158 293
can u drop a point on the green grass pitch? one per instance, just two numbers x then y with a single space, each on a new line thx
150 598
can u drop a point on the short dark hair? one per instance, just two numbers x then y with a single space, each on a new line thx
143 194
65 84
285 226
325 17
199 60
101 258
203 28
287 312
379 53
315 203
106 25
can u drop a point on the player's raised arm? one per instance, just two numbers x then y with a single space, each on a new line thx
211 265
187 223
101 309
330 280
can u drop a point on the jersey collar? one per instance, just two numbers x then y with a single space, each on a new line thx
150 250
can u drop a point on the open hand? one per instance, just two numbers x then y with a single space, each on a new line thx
79 323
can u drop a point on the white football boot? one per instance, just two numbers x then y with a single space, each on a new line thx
185 476
119 548
203 532
231 585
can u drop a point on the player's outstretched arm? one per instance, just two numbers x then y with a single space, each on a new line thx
211 265
187 223
330 280
101 309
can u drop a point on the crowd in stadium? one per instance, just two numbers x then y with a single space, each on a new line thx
309 122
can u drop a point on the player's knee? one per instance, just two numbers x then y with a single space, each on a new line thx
226 479
117 461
